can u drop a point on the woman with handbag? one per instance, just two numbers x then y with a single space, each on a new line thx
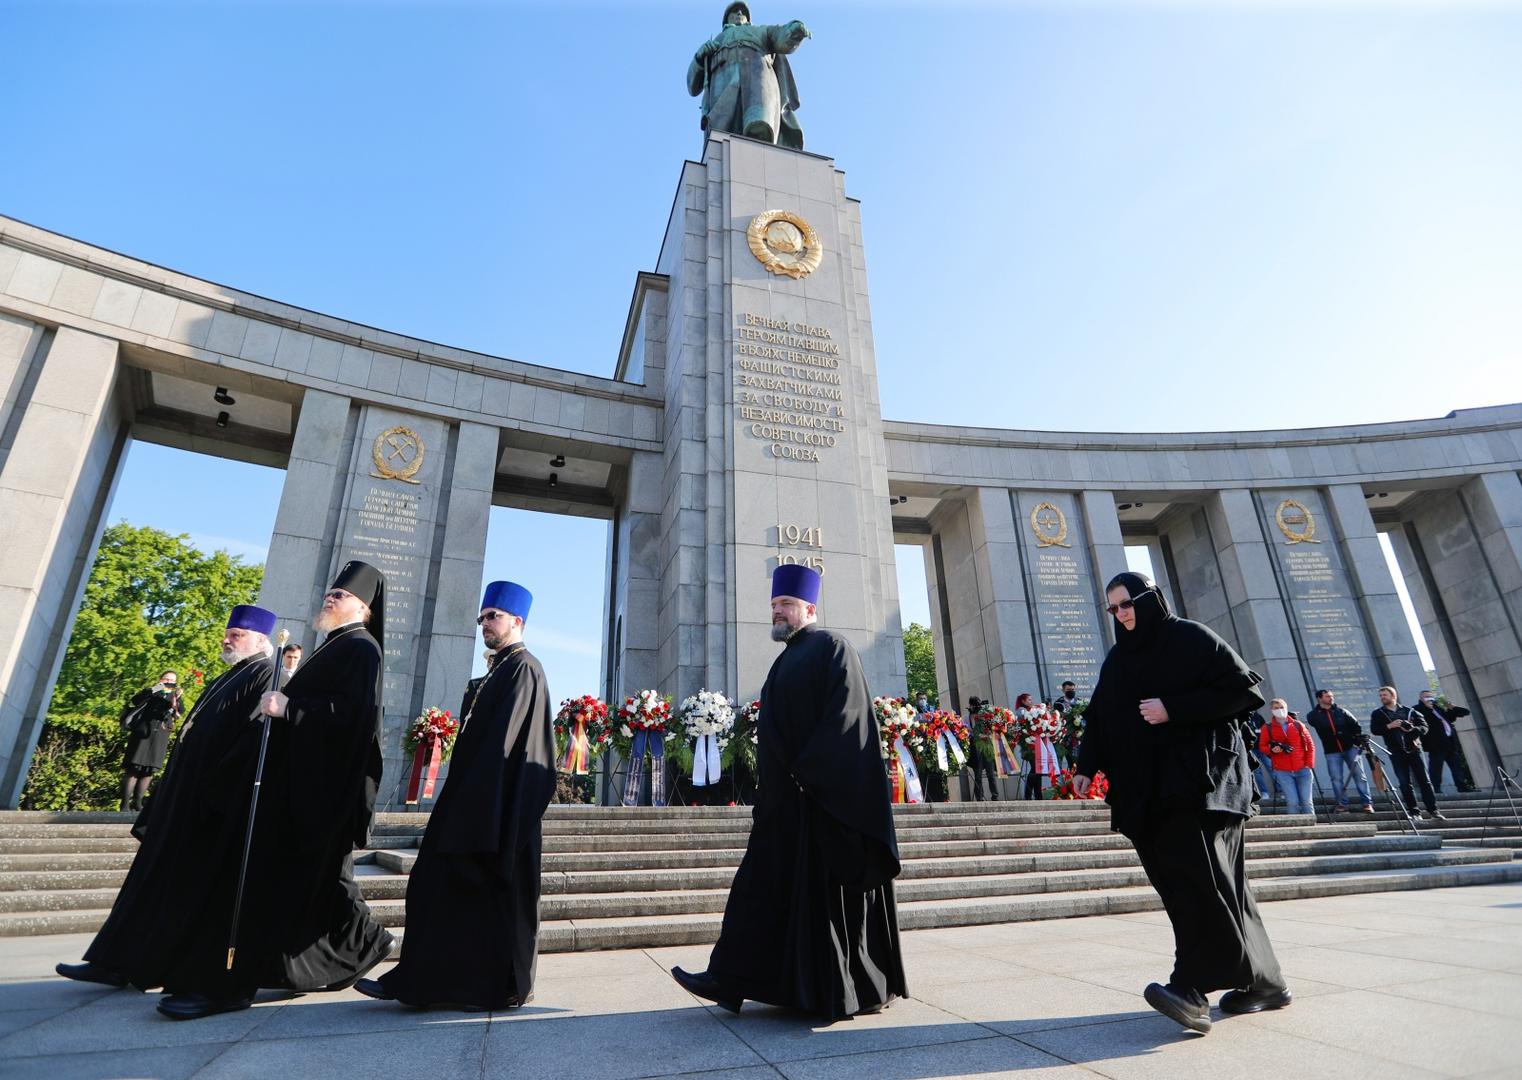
148 720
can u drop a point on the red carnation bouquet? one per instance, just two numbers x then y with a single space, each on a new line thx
582 732
1062 787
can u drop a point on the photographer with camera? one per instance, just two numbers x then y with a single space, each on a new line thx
1342 741
148 719
1292 751
1402 728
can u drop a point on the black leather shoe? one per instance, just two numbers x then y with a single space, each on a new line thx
705 985
91 973
518 1003
1238 1002
374 988
198 1006
1176 1006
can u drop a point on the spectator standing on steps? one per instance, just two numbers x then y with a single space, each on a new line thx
1341 738
982 765
1292 751
1441 740
1402 729
148 719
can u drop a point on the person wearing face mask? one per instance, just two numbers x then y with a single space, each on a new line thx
1292 753
1164 724
148 719
1441 740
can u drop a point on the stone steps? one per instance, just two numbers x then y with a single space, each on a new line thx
615 877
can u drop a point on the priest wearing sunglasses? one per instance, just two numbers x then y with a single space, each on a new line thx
473 896
1163 726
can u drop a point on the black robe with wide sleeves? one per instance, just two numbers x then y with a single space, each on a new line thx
811 922
473 895
1182 791
184 830
1198 759
304 924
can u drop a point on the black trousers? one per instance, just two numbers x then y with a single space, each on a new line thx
1435 762
983 769
1406 767
1194 860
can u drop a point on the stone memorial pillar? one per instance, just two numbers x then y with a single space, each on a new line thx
1320 597
774 437
57 476
1065 594
410 495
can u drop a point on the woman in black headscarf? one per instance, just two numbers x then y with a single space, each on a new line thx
1164 727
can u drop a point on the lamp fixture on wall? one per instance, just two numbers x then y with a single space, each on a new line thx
222 397
558 461
554 479
222 419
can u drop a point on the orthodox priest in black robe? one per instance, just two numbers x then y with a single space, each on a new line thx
184 828
303 924
811 923
473 895
1164 725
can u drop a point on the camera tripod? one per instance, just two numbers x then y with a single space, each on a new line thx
1370 748
1505 784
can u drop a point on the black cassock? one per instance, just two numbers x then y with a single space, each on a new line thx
473 895
184 829
1182 791
811 923
304 925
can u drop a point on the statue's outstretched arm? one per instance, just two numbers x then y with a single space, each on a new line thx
787 37
697 74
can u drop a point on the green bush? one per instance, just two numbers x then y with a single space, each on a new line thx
78 764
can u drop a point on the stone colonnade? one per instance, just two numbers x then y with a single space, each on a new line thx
1273 539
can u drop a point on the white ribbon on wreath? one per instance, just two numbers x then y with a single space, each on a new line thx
943 741
911 774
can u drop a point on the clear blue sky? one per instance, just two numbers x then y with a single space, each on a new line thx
1078 216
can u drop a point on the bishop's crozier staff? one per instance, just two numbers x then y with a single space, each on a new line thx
811 923
303 925
190 833
473 895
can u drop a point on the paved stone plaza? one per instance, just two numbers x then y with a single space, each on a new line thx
1390 985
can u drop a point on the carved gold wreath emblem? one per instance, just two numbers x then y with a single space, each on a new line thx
785 243
1050 525
398 455
1296 522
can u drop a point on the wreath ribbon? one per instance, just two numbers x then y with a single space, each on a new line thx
1046 756
943 741
430 749
1005 761
578 751
904 776
705 761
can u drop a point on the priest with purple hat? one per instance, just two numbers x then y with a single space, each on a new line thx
186 828
811 922
472 933
303 925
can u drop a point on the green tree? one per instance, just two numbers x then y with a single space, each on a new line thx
919 661
153 603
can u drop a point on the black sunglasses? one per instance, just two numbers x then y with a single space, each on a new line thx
1124 605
